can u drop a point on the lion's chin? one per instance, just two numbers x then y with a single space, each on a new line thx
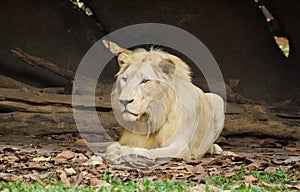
129 117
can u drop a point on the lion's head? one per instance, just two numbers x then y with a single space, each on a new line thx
144 79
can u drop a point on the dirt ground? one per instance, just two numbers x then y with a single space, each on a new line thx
241 145
56 156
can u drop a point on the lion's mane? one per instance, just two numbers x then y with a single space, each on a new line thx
188 118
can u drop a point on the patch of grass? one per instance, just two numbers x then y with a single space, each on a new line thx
33 187
116 185
145 185
276 181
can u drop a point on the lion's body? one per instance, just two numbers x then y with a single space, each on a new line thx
168 115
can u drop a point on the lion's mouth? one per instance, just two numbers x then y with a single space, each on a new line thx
134 114
140 118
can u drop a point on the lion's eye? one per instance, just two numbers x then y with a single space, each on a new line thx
144 81
124 79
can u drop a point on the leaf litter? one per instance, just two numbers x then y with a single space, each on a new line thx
75 166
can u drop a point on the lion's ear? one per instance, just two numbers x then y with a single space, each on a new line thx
167 66
123 59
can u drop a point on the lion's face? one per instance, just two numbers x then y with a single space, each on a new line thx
138 92
140 85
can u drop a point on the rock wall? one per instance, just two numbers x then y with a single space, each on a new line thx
234 31
51 29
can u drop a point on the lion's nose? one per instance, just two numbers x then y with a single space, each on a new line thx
125 102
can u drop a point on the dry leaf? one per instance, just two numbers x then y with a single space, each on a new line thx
296 187
141 187
203 187
229 174
31 177
214 188
198 169
207 160
81 157
77 180
250 179
256 163
162 177
65 155
269 185
198 188
36 166
270 170
70 171
41 159
93 161
43 175
63 178
114 48
49 186
95 182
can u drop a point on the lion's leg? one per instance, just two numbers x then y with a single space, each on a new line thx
219 118
117 150
219 113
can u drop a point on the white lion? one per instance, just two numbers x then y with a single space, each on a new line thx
163 113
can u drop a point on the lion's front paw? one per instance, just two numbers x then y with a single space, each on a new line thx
115 151
215 149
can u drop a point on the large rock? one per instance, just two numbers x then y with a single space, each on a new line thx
234 31
51 29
